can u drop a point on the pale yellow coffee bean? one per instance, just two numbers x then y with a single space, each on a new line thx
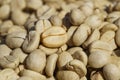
31 42
77 66
95 35
20 54
70 33
25 78
81 34
16 28
9 62
34 75
108 37
48 51
33 4
77 17
111 72
17 4
8 74
36 61
4 50
63 59
5 26
54 37
67 75
100 46
113 16
15 41
96 75
109 26
98 59
51 64
55 20
94 21
19 17
4 11
41 25
117 37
